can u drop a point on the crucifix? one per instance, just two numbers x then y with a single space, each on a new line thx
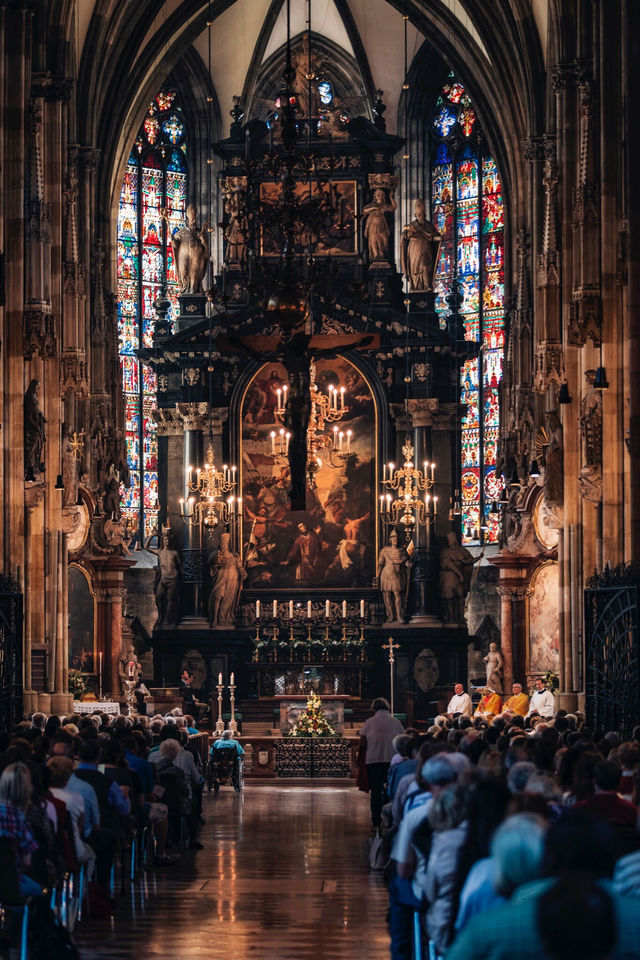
391 646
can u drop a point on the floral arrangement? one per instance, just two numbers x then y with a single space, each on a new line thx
312 721
77 684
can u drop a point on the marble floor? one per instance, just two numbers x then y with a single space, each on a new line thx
283 875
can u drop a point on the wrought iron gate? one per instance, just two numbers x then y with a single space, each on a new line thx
10 653
612 655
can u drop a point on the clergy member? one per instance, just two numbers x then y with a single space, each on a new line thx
542 701
490 704
460 702
518 702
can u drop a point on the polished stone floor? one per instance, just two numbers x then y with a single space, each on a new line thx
283 875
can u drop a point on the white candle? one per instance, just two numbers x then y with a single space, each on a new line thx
335 437
219 679
392 467
362 609
290 609
279 395
433 467
232 681
348 441
384 473
273 441
340 436
435 505
309 609
257 609
381 502
288 437
344 609
342 398
275 609
327 609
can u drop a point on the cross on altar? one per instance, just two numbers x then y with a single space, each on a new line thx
391 646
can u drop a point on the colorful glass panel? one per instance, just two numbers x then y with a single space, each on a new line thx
155 179
466 197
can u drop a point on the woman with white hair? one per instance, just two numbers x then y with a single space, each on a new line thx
517 851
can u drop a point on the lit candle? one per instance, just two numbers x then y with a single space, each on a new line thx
257 609
344 609
342 398
279 395
340 436
181 501
309 609
392 467
362 609
425 466
433 467
384 473
284 394
273 441
290 609
327 609
288 437
349 440
381 503
275 609
189 472
435 505
219 679
335 437
232 681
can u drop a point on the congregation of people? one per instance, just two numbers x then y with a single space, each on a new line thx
76 793
508 829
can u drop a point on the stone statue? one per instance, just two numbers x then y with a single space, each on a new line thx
128 655
495 663
554 461
420 250
228 575
34 421
306 65
190 247
167 580
456 566
69 469
392 579
111 499
235 232
376 229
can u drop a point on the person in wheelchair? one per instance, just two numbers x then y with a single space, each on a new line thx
225 750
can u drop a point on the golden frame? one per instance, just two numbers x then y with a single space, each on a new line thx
78 566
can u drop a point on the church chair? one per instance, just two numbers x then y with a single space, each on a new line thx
14 912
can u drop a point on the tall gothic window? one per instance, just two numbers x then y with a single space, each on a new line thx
467 208
155 180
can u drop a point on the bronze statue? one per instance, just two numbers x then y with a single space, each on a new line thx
190 247
227 574
392 579
420 250
376 230
167 580
34 436
456 566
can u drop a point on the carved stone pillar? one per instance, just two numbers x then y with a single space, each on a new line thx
33 498
110 594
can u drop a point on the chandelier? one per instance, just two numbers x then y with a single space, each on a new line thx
326 408
214 488
407 499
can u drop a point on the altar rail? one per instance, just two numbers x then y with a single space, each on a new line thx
312 757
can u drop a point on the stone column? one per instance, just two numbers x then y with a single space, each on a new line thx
110 593
506 635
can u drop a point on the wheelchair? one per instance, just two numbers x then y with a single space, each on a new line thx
225 768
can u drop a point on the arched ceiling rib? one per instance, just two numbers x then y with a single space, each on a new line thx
325 20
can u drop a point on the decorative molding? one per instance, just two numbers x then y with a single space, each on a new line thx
585 316
51 86
73 374
38 327
549 365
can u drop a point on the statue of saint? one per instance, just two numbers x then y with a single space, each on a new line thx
34 421
306 65
167 581
111 499
190 247
376 229
69 469
392 579
494 664
456 566
235 233
420 250
554 462
227 574
128 655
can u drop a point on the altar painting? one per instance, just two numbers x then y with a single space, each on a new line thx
544 624
81 622
332 543
339 239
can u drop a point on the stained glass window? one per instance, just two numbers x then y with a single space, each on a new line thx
468 210
153 202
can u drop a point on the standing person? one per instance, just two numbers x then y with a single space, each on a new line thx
377 734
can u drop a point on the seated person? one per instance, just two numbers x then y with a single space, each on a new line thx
460 702
490 704
518 702
226 742
190 703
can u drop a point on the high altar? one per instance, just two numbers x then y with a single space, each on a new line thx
294 584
